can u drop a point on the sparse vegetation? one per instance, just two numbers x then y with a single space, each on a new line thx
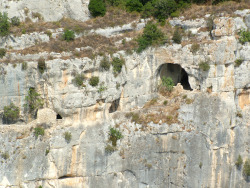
11 113
177 37
246 168
110 149
105 64
239 161
15 21
165 102
195 48
41 65
238 62
114 136
68 35
46 152
5 155
189 101
200 165
117 64
78 80
33 101
239 114
244 36
94 81
102 88
37 15
24 65
67 136
4 24
2 52
204 66
38 131
151 36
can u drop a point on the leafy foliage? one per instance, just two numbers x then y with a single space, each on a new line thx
204 66
239 161
2 52
151 35
68 35
11 113
134 5
238 62
114 136
33 101
168 83
246 168
4 24
78 80
67 136
97 8
105 64
244 36
15 21
117 64
38 131
177 37
164 8
94 81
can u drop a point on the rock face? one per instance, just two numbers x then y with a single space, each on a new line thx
49 10
205 129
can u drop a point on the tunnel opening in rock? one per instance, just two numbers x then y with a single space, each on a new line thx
176 72
58 116
114 106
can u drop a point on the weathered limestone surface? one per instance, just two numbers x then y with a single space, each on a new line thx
50 10
198 150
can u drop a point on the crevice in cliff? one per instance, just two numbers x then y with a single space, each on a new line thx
176 72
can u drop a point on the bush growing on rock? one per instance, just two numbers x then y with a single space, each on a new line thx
11 113
244 36
2 52
15 21
4 24
167 83
67 136
94 81
238 62
68 35
239 161
117 64
164 8
177 37
78 80
38 131
33 101
246 168
41 65
134 5
105 64
151 36
204 66
114 136
97 8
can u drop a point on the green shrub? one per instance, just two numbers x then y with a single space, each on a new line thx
177 37
78 80
117 64
94 81
134 5
11 113
102 88
48 33
167 83
2 52
41 65
24 65
239 161
37 15
105 64
246 168
68 35
15 21
164 8
151 35
165 102
204 66
97 8
38 131
175 14
238 62
148 10
210 23
244 36
46 152
195 48
67 136
110 149
114 136
33 101
4 24
5 155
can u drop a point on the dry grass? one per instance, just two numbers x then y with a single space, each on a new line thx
228 8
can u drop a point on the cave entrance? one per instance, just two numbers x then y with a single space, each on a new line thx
176 72
58 116
114 106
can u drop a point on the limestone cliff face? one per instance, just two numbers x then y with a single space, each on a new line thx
193 141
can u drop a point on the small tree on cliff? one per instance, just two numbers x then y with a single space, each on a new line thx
97 8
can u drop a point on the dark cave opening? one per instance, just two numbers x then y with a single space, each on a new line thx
114 106
176 72
58 116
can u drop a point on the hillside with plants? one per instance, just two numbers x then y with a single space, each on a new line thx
124 93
